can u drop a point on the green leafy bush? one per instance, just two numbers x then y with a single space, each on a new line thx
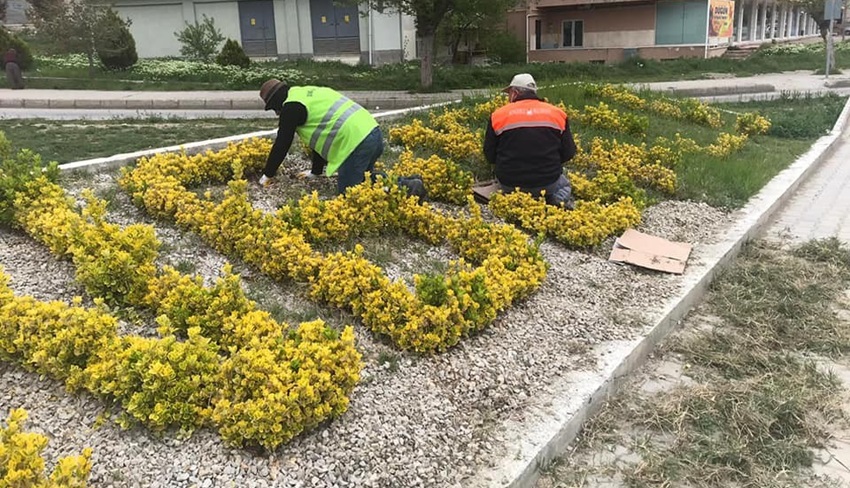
200 40
232 54
15 172
115 46
505 47
9 40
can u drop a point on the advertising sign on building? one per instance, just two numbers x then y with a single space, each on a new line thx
721 17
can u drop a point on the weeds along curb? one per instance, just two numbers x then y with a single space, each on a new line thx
119 160
548 431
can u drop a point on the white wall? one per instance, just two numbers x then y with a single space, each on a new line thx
226 16
293 29
153 28
408 42
391 31
636 38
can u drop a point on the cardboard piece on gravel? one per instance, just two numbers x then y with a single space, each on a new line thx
483 190
651 252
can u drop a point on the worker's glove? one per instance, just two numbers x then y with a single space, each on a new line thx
306 174
266 181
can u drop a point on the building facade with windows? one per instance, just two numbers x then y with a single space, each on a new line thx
280 29
605 31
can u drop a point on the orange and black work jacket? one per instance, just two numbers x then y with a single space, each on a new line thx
529 141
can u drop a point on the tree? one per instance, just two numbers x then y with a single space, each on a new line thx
472 19
200 41
71 26
428 14
232 54
114 43
815 9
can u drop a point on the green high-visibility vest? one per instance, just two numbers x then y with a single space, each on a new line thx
335 124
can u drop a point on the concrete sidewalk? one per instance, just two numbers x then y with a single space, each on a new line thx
719 87
202 100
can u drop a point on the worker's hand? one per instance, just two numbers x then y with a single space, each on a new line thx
306 174
266 181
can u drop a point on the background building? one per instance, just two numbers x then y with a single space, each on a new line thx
606 31
281 29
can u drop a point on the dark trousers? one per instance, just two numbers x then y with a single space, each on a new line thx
362 160
558 193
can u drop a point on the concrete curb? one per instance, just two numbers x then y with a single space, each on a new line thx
119 160
558 425
715 91
384 102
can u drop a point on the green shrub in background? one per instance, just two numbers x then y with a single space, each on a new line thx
200 41
232 54
9 40
504 47
114 44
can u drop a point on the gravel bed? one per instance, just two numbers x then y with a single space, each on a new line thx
414 420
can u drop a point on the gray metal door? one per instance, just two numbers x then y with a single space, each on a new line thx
336 28
256 21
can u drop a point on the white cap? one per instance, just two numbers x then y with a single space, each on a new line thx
522 80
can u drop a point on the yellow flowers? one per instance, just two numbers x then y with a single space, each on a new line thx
604 117
498 263
726 144
684 109
168 382
444 180
21 464
751 124
588 225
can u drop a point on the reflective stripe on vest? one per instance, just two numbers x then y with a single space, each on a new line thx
335 124
528 113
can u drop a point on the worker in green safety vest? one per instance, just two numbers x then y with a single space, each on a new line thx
344 137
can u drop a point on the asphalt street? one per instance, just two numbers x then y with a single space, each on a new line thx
106 114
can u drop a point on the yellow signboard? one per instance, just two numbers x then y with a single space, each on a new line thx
253 21
721 18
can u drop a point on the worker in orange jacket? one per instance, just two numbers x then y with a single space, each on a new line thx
529 141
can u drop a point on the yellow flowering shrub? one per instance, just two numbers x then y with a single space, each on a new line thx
751 124
21 463
725 145
160 382
588 225
502 267
680 109
604 117
112 263
614 162
165 382
270 394
617 94
444 180
452 139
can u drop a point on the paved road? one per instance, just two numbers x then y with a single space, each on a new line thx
820 207
104 114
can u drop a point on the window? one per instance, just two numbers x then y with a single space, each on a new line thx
538 34
573 33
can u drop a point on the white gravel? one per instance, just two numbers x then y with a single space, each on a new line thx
414 420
